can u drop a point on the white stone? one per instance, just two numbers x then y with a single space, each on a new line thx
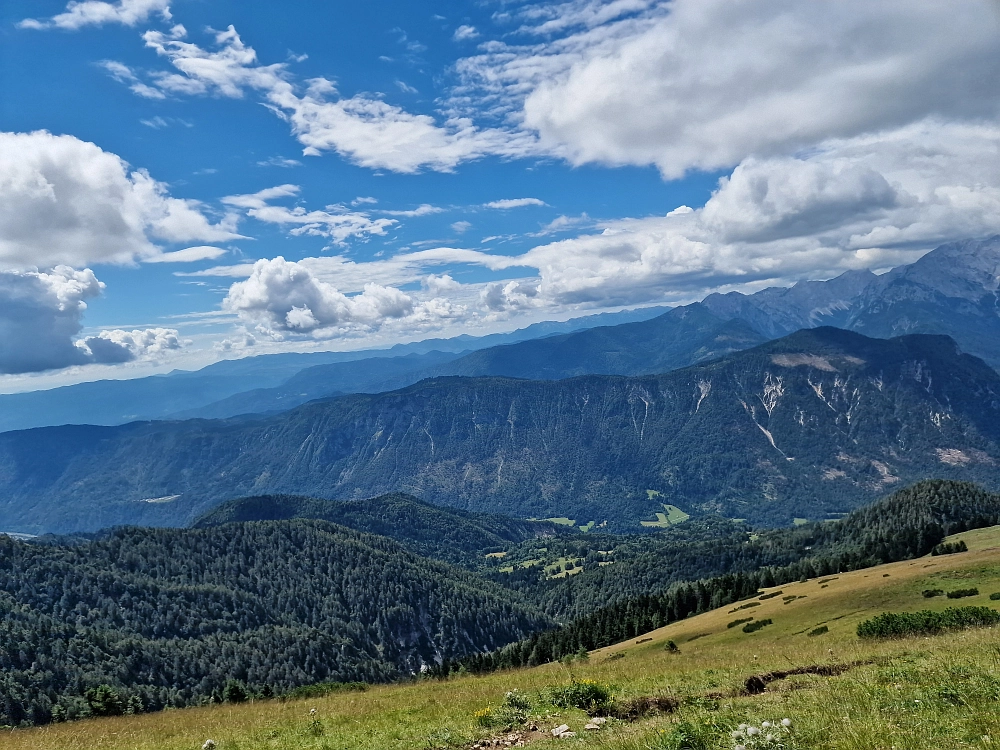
558 731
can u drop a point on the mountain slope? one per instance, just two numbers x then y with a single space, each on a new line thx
814 423
431 531
170 616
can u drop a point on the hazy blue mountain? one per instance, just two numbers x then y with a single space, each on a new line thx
370 375
441 533
112 402
817 422
680 337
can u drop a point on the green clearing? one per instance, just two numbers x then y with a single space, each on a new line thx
800 521
671 517
909 694
562 521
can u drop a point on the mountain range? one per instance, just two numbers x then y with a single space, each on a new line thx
815 423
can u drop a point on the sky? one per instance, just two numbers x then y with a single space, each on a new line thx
188 180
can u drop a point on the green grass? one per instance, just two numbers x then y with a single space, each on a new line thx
908 694
672 516
562 521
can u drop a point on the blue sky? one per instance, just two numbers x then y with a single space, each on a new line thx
192 180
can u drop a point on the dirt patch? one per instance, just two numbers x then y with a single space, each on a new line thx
757 684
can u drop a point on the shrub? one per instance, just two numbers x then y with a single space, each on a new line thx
671 647
925 622
753 627
513 710
819 631
104 700
995 597
950 548
931 593
235 692
962 593
745 606
770 596
740 621
588 695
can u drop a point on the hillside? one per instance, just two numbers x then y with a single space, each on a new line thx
816 423
671 575
432 531
170 616
840 693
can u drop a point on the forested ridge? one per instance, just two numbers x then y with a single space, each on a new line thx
168 617
441 533
907 524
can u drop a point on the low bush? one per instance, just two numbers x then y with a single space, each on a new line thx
745 606
995 597
753 627
925 622
950 548
588 695
671 647
512 711
931 593
819 631
962 593
740 621
770 596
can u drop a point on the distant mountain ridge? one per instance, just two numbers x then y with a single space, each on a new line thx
817 422
229 387
441 533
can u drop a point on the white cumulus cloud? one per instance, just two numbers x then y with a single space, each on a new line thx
97 13
40 323
283 299
67 201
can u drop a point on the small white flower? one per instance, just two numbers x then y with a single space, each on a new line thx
209 745
786 722
753 731
312 711
743 727
737 735
740 747
766 724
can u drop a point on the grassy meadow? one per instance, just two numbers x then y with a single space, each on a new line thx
910 694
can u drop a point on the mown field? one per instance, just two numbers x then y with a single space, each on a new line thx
911 694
